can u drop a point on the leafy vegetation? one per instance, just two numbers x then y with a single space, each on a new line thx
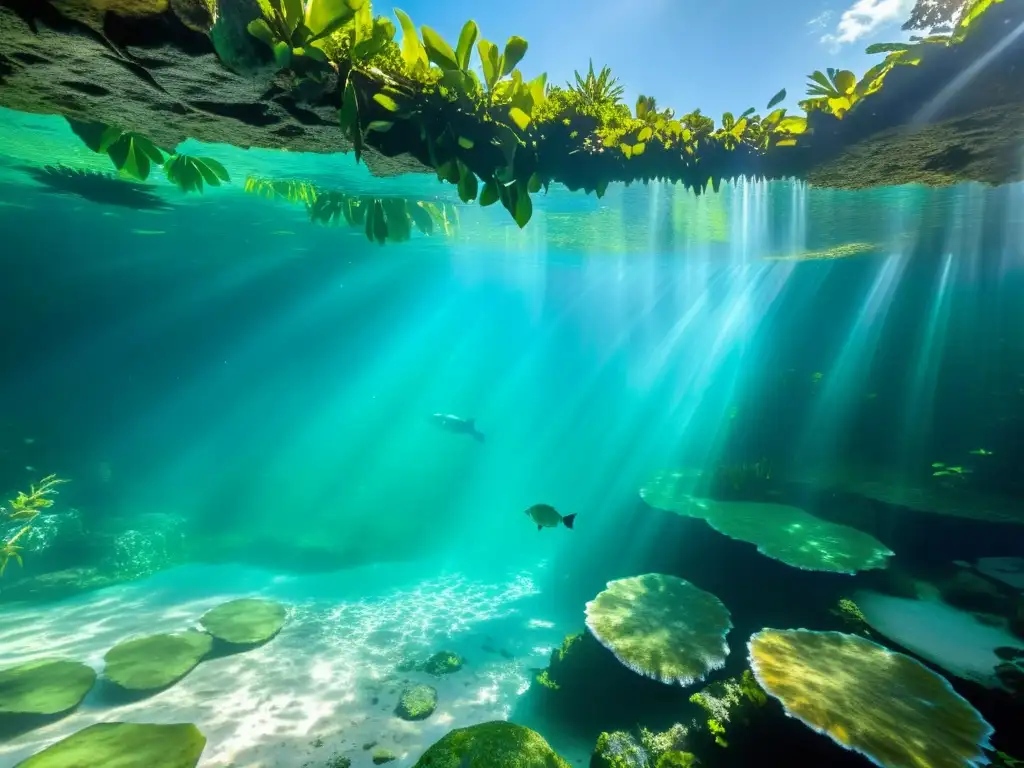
383 219
23 510
103 188
134 156
729 700
468 112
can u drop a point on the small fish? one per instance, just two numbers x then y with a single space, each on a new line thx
29 440
29 468
981 452
148 232
816 377
546 516
458 425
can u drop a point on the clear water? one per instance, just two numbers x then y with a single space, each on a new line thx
242 400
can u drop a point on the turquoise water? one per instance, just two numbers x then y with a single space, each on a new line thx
242 402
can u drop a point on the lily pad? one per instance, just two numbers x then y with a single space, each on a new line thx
661 627
124 745
155 662
248 621
779 531
44 687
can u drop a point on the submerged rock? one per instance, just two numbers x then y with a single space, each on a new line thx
443 663
125 745
382 756
496 744
44 687
155 662
417 702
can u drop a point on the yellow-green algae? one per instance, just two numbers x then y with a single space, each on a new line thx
124 745
661 627
157 661
44 687
247 621
496 744
779 531
879 703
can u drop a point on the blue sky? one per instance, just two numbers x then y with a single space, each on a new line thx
716 54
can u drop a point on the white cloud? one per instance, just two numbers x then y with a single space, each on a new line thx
820 21
864 17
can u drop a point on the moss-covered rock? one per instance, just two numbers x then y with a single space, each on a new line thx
382 756
496 744
248 621
443 663
155 662
676 759
124 745
417 702
44 687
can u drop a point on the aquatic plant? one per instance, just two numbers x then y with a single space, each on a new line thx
884 705
23 510
728 700
156 746
247 621
661 627
383 219
779 531
44 687
103 188
496 744
618 749
851 616
155 662
670 742
134 155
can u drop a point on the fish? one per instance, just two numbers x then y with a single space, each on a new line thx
546 516
458 425
981 452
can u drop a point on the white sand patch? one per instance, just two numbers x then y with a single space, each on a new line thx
950 638
330 677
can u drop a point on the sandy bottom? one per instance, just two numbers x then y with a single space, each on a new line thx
327 684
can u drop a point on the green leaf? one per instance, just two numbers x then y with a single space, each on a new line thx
645 134
515 49
627 149
602 187
259 29
464 50
421 218
846 81
380 126
520 118
380 223
467 183
777 99
293 13
534 184
368 48
490 62
465 142
886 48
537 88
396 211
282 55
386 101
349 117
324 15
638 149
413 53
133 154
438 51
489 195
523 207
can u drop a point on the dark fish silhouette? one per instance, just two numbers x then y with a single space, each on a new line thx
460 426
546 516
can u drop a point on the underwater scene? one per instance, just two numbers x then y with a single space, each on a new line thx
386 388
